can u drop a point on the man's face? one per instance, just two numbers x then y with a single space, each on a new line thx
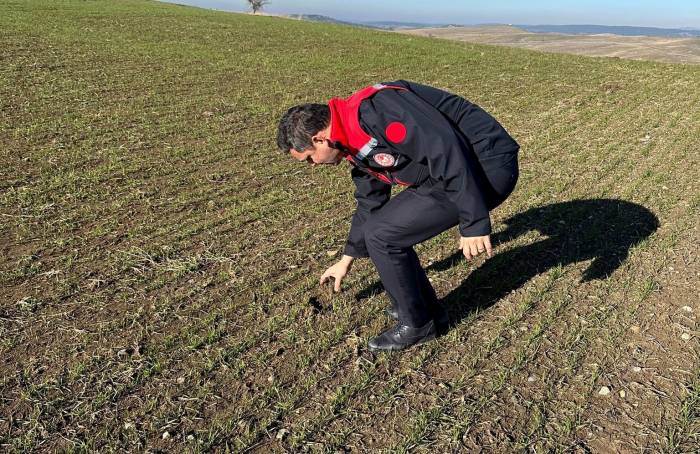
321 153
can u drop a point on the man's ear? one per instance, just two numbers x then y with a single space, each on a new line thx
319 137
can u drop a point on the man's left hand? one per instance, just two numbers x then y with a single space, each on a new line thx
475 245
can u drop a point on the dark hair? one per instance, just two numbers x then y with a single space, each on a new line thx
299 124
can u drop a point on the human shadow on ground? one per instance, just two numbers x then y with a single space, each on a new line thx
601 230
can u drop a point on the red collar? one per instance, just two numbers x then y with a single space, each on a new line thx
345 121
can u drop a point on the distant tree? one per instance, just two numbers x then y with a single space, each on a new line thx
256 5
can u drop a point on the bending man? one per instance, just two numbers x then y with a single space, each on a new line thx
456 161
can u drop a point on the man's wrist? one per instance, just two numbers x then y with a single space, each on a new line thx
347 259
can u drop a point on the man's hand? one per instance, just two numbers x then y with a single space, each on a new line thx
475 245
337 271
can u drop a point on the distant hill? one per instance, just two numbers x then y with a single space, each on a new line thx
399 25
320 18
564 29
395 25
612 30
383 25
670 49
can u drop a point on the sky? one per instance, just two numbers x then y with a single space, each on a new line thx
648 13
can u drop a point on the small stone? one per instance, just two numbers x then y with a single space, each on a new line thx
664 188
685 336
180 380
165 435
271 378
331 253
623 394
604 391
531 378
190 437
687 308
637 369
281 434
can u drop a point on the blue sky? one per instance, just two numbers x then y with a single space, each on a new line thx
652 13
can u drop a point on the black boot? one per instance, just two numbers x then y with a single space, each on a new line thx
442 320
402 336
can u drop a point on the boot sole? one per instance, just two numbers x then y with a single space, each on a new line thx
408 347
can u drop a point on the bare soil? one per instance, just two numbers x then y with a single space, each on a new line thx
159 261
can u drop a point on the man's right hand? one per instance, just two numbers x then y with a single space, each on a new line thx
337 271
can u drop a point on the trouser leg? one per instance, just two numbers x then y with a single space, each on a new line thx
416 301
426 289
411 217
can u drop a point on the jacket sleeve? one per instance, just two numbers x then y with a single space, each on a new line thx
484 133
432 140
370 194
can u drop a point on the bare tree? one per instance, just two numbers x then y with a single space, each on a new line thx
256 5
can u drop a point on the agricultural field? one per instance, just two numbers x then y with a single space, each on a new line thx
664 49
159 258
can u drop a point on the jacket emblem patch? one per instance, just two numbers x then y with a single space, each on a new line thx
384 159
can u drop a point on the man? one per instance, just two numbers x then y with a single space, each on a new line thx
456 161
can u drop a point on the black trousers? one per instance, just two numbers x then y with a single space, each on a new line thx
411 217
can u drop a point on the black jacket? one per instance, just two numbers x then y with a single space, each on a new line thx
447 139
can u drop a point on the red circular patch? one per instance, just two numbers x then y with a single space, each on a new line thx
396 132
